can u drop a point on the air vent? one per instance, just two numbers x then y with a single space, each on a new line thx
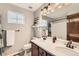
30 7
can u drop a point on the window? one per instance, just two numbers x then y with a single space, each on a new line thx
15 17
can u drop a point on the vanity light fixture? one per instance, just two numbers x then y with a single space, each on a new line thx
51 7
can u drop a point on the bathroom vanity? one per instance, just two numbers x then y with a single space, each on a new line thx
42 47
38 51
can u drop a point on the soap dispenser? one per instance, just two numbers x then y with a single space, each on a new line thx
54 39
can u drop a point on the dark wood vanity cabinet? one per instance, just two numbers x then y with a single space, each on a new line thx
37 51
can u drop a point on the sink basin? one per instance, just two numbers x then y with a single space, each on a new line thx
66 51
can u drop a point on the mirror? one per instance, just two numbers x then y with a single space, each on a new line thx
58 19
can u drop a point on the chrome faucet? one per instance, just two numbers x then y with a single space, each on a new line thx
44 37
70 45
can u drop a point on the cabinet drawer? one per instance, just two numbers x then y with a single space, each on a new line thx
42 52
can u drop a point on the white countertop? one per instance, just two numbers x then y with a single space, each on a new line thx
58 48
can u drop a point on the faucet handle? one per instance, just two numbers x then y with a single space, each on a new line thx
65 43
73 46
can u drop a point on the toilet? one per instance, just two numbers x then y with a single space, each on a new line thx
27 48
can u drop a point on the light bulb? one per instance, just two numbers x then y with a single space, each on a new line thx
45 14
56 5
41 11
60 6
49 7
45 11
48 12
52 10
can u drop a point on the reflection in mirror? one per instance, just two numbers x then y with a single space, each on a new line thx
73 27
48 19
57 27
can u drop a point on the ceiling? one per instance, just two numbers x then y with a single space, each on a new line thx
67 10
34 6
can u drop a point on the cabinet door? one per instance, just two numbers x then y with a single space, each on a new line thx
34 50
42 52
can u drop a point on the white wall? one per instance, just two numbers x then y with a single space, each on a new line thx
24 35
59 29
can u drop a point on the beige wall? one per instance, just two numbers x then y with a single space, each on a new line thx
25 33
